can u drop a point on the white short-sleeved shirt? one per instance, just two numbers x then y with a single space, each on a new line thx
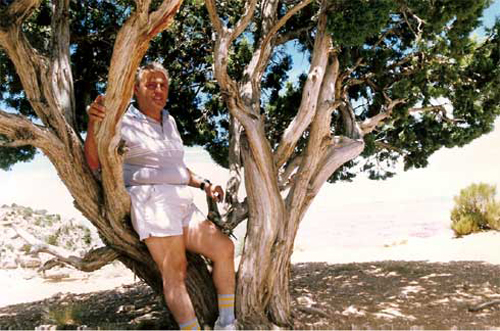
155 152
156 177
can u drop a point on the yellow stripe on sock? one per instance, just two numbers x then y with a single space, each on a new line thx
226 305
190 326
226 299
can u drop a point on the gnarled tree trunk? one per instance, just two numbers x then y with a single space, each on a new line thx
48 84
263 298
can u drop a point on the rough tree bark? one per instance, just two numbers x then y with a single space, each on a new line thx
263 299
281 183
48 85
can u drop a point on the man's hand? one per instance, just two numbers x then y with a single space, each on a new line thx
214 192
96 110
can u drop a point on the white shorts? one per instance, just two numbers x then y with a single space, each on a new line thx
162 210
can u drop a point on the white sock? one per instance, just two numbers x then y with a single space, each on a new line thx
226 308
190 325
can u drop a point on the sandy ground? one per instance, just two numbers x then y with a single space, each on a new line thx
24 285
19 286
476 247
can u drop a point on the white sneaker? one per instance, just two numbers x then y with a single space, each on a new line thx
230 326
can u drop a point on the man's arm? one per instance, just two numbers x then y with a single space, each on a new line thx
96 112
213 191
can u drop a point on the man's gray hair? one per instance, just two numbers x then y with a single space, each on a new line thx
151 66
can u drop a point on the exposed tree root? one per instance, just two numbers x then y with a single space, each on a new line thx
313 311
484 305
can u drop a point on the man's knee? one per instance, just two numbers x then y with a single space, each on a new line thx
226 248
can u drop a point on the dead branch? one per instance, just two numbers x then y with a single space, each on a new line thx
381 144
286 37
371 123
439 110
420 22
93 260
272 33
483 305
313 311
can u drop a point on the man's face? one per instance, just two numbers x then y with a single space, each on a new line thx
152 92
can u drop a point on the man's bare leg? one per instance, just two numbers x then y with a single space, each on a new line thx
204 238
169 253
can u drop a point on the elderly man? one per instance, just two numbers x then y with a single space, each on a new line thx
163 212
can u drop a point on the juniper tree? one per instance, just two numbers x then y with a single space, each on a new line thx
387 81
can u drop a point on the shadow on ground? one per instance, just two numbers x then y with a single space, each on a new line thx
395 295
378 295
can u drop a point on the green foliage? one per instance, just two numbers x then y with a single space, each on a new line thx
443 64
438 62
26 248
87 236
52 239
475 210
353 22
66 315
13 155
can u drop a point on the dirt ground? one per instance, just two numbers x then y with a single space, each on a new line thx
379 295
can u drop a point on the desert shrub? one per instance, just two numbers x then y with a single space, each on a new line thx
87 237
42 211
67 315
27 212
52 239
26 248
493 216
475 210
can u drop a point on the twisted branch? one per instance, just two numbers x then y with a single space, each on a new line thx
310 94
93 260
371 123
22 131
267 39
18 12
420 22
132 39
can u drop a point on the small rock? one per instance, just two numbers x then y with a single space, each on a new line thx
56 276
29 262
147 317
8 264
125 309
